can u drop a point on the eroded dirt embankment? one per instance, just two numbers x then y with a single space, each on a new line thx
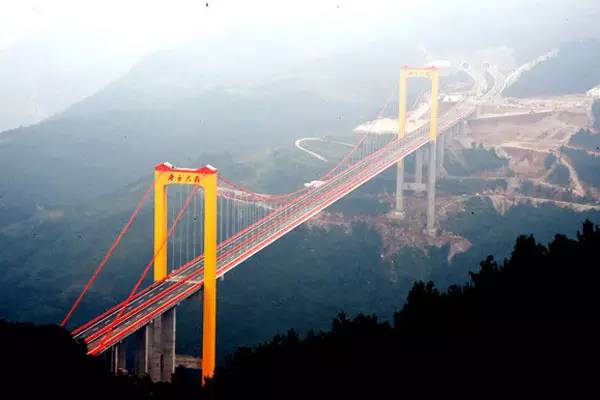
529 135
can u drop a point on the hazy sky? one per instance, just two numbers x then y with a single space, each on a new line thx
147 25
90 43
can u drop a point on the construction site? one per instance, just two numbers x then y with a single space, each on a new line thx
512 151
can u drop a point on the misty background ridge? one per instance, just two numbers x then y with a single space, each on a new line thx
44 73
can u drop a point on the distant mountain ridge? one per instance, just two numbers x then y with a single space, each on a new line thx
178 104
575 69
43 75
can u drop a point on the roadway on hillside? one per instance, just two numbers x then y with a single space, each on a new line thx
299 144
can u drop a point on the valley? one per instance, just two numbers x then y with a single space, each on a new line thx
523 165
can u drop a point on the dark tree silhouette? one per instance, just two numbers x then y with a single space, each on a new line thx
527 326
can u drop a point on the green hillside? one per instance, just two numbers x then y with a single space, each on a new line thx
525 325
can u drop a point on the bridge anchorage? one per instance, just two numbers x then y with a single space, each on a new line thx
206 225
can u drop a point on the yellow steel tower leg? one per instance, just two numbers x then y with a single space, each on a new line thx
402 104
433 132
210 277
160 228
205 177
435 92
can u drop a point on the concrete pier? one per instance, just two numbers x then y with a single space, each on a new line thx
141 349
440 154
168 344
117 357
430 228
399 210
431 153
161 347
122 357
419 166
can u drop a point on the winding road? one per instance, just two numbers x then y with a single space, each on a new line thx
314 154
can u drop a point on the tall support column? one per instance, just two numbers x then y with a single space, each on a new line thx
154 350
435 93
122 356
419 165
113 355
141 352
209 323
168 345
433 135
161 365
399 210
431 189
160 228
117 356
440 153
401 133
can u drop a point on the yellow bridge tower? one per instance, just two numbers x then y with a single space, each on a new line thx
433 74
205 178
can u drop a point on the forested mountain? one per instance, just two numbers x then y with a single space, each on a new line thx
197 99
67 183
526 325
418 315
44 74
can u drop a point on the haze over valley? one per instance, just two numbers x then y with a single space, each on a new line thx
277 99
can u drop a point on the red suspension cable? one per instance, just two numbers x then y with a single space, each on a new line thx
349 154
147 192
259 196
284 196
133 292
108 253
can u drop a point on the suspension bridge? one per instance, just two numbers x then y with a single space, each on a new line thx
206 225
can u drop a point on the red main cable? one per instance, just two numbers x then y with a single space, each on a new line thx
188 200
109 253
141 203
324 177
366 134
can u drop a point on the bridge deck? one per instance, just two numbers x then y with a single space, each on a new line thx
106 330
